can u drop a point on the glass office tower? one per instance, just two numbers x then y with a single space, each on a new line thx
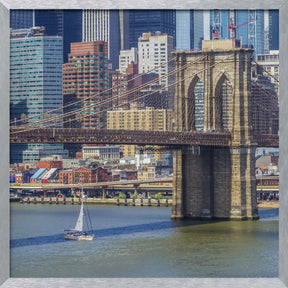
65 23
250 34
189 29
142 21
273 29
35 87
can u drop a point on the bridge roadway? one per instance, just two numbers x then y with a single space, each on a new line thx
133 137
48 186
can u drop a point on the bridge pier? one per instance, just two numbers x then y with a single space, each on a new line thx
243 192
178 189
215 183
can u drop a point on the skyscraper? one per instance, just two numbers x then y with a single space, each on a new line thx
189 29
274 29
86 76
154 53
184 30
52 20
250 33
219 22
35 86
65 23
21 19
142 21
72 32
109 26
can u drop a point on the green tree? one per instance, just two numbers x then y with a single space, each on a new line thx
158 196
122 196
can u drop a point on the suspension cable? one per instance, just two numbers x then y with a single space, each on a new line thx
174 72
110 99
92 96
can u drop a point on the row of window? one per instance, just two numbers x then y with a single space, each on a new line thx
155 44
33 52
89 56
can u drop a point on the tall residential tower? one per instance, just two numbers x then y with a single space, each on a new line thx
86 77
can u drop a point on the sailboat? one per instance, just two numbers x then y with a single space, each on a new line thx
78 233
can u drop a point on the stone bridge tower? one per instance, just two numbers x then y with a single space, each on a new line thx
215 182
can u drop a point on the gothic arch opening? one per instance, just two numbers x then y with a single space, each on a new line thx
222 108
195 105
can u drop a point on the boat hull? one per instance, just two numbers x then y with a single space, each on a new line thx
79 237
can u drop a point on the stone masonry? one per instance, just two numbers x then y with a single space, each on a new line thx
216 182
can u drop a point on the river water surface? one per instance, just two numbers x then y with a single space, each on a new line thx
140 242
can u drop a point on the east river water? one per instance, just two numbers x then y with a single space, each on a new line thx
140 242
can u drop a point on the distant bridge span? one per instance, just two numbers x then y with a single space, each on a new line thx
47 186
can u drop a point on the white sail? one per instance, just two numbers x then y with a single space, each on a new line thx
78 233
79 223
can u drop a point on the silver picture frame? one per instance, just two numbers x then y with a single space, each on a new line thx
6 281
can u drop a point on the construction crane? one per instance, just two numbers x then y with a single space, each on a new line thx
233 27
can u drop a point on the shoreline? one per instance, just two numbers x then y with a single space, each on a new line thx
125 202
268 205
93 201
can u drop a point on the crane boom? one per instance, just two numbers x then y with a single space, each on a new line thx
234 27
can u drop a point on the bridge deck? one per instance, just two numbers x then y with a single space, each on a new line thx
133 137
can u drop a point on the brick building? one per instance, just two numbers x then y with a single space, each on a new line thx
128 175
86 76
83 175
66 177
49 164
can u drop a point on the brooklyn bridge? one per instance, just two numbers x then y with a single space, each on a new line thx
213 167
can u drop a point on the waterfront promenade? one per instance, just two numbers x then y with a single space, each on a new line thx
112 201
106 201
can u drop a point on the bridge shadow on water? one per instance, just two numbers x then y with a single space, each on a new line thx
131 229
108 232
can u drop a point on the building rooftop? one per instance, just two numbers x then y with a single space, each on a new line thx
38 173
30 32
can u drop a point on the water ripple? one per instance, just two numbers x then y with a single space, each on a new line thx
58 238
